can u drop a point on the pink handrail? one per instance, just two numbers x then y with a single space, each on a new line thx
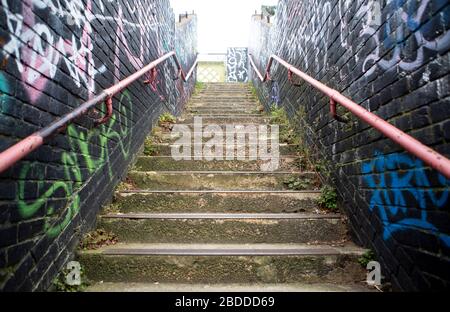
24 147
410 144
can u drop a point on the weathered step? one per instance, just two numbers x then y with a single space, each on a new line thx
216 180
227 119
227 106
208 263
165 149
215 100
215 201
230 115
225 227
225 86
227 288
222 111
218 104
224 96
172 137
153 163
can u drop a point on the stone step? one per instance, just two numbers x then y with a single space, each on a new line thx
288 150
224 228
218 101
219 105
225 86
235 92
226 119
230 115
153 163
224 96
227 288
226 106
175 134
216 201
174 141
222 111
220 263
234 126
165 149
217 180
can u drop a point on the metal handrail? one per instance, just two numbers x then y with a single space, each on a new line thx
410 144
24 147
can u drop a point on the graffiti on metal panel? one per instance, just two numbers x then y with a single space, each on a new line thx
237 65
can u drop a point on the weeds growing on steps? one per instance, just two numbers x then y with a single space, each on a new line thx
288 135
279 117
253 91
255 97
150 149
367 257
166 121
328 198
126 185
97 239
298 184
60 284
199 86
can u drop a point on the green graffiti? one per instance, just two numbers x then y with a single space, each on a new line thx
79 156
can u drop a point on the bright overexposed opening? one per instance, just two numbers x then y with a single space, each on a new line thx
221 23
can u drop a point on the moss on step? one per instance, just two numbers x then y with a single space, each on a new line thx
168 163
213 181
223 269
214 202
98 238
222 231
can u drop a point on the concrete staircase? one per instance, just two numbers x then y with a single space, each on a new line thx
221 225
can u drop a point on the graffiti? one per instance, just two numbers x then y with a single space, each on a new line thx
237 65
400 181
118 130
390 42
38 50
310 32
4 86
275 94
39 54
410 30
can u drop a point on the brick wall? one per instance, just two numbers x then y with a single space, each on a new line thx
391 57
54 55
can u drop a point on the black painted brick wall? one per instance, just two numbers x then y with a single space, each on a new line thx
397 65
54 56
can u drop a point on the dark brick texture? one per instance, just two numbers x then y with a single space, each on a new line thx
54 55
392 58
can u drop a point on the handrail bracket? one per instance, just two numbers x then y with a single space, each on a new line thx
109 111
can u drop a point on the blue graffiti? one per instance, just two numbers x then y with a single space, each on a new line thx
275 94
396 180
